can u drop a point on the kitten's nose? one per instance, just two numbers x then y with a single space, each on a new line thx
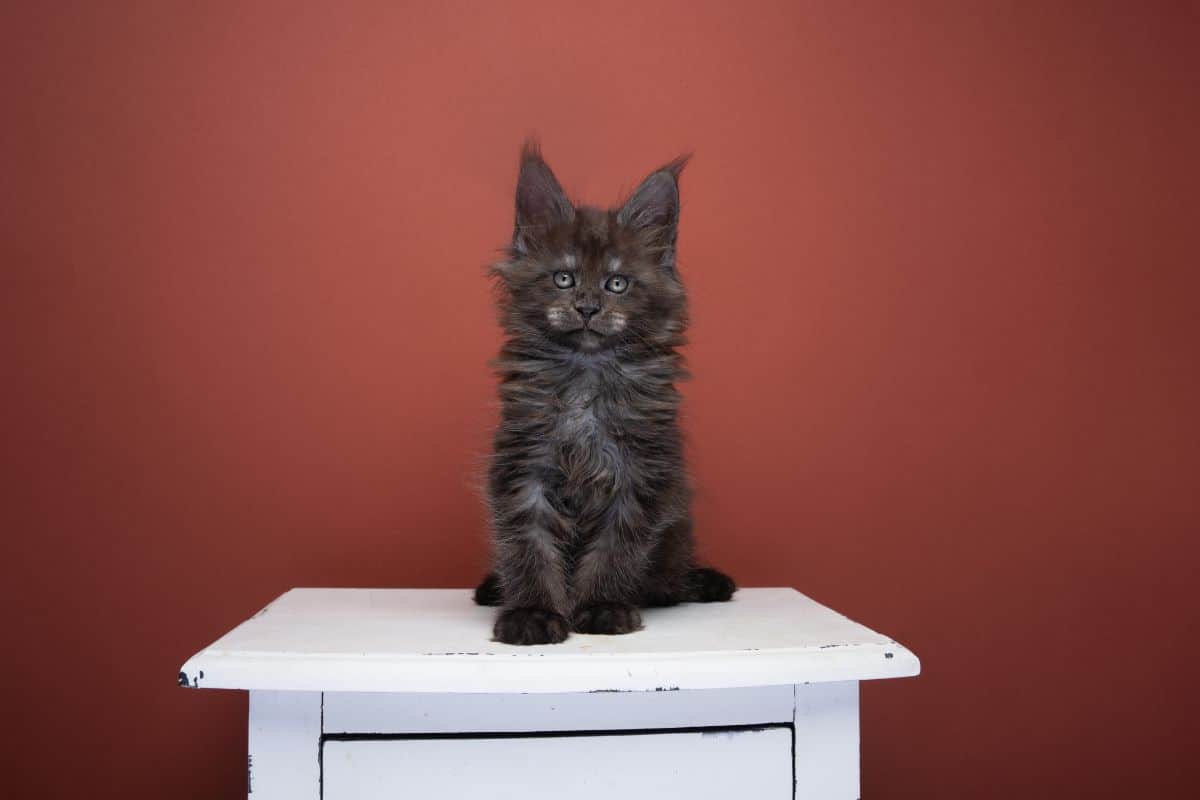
587 308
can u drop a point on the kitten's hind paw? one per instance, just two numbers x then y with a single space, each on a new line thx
487 593
607 618
710 585
658 599
530 626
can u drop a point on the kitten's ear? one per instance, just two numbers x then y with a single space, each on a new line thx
541 201
653 210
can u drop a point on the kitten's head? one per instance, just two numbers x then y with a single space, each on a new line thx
591 279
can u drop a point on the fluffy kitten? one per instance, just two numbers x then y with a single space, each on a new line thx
589 500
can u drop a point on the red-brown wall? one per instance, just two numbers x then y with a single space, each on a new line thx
943 267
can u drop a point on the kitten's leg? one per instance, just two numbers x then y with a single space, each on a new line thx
667 581
701 585
531 568
610 571
674 579
533 579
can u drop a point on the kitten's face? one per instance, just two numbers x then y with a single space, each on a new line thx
591 284
590 279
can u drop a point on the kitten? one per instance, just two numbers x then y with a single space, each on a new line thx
589 500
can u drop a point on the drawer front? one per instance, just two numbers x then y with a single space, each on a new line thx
754 763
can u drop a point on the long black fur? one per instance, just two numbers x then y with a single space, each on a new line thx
587 488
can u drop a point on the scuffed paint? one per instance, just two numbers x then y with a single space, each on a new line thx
193 683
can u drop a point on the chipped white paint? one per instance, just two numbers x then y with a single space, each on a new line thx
364 694
435 640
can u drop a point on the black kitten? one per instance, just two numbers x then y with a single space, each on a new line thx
589 500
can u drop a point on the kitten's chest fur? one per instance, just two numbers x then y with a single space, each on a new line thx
583 441
580 410
591 436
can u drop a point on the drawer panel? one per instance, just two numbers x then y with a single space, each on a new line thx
707 764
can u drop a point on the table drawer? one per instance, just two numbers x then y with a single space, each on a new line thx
697 764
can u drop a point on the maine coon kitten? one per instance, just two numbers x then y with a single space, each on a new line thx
589 499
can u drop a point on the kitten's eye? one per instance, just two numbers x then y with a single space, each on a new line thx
617 284
563 279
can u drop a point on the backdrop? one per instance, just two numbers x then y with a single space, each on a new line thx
942 260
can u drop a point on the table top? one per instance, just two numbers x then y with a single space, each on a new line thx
437 640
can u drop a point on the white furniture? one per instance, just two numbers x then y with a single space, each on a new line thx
399 693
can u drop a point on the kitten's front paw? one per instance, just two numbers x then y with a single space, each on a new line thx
530 626
607 618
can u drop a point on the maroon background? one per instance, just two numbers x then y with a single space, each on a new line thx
943 261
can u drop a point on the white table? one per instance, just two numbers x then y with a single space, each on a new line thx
399 693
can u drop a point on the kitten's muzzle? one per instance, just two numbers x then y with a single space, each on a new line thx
587 309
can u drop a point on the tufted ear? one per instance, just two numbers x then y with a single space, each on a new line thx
541 202
653 210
